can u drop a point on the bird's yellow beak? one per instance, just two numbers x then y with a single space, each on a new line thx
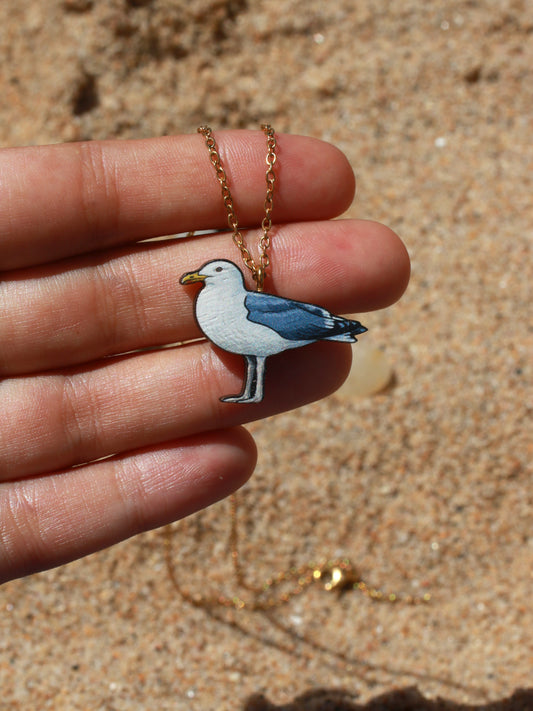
192 277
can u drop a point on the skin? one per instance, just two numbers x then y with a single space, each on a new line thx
80 296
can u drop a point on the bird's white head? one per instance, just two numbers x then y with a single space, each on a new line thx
218 271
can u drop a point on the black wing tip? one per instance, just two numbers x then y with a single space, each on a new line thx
357 328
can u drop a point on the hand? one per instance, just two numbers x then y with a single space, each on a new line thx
85 307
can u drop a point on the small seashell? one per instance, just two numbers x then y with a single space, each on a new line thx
370 374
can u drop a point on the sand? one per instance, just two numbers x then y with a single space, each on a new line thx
425 486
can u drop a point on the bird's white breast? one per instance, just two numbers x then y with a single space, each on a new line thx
222 316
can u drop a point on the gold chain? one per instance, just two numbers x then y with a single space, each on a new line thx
337 575
258 270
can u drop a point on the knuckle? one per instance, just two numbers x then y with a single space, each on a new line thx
79 415
98 189
118 302
132 492
21 538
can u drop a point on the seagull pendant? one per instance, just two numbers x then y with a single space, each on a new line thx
258 325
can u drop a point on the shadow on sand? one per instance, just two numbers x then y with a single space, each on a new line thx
409 699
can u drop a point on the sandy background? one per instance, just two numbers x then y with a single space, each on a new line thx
425 486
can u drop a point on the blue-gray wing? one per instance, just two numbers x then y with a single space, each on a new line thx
297 321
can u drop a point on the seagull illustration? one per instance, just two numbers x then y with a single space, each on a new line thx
258 325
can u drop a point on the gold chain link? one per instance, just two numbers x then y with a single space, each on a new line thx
258 270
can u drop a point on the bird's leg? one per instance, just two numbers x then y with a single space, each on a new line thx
246 395
259 379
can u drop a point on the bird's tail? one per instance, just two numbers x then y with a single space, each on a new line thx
348 330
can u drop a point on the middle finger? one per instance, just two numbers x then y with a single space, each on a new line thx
87 308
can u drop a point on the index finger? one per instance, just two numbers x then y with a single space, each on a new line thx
68 199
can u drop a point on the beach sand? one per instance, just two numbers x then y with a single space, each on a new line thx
426 485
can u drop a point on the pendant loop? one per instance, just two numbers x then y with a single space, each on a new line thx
258 275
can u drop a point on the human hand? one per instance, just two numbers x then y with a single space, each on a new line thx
85 308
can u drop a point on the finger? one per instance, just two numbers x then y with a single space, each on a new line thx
58 420
51 520
73 198
92 306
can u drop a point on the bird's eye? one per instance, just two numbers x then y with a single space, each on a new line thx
218 269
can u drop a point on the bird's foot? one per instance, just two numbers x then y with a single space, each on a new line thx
241 398
253 387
